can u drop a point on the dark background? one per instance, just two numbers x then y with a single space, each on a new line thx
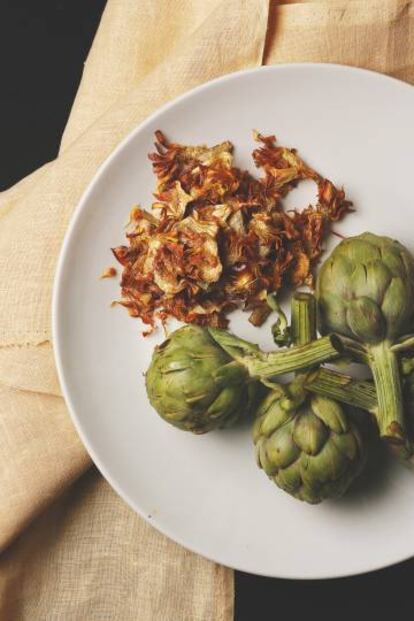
43 45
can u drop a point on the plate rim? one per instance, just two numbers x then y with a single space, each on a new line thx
57 292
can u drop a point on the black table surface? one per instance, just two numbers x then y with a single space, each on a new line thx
43 45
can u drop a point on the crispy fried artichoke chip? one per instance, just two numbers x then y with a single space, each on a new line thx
219 238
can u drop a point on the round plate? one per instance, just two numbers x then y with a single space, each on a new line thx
206 492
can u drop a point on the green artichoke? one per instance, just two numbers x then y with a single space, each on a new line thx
365 291
307 444
194 384
201 379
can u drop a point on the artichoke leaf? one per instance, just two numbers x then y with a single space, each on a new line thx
280 449
329 465
289 478
331 413
276 417
346 444
396 306
226 401
309 433
371 279
362 249
365 319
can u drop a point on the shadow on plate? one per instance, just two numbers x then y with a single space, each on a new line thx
375 480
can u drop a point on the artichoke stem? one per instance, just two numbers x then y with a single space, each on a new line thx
343 388
293 359
385 371
233 345
303 319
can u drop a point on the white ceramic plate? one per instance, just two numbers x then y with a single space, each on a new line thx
354 126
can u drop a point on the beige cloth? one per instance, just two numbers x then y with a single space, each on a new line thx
67 564
89 557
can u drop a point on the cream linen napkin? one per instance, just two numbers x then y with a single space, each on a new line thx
66 566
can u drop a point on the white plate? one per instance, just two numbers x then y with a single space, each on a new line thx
206 493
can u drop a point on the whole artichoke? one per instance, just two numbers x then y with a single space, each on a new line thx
307 444
194 384
365 291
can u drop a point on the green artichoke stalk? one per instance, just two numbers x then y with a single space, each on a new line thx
202 379
365 291
362 394
262 365
405 451
303 318
344 388
308 445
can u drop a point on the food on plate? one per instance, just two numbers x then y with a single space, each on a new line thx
201 379
312 433
195 385
219 237
109 272
365 291
309 445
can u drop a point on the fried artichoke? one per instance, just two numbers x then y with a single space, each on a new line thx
219 237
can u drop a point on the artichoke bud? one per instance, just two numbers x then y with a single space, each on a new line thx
313 451
195 385
366 287
365 291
